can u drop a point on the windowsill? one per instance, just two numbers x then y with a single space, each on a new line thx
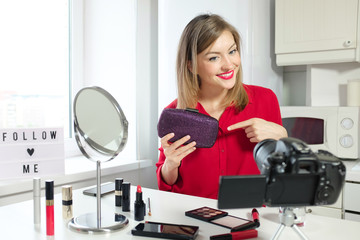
80 169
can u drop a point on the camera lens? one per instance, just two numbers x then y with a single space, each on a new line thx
262 151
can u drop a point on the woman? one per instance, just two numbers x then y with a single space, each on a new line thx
209 79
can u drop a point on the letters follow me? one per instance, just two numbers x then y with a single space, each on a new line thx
26 135
31 152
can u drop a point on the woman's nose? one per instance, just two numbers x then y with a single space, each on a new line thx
227 64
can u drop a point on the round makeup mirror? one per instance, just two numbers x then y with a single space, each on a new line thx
101 131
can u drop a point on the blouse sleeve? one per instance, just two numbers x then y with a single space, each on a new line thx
162 185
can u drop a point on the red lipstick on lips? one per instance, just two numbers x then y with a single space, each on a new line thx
227 75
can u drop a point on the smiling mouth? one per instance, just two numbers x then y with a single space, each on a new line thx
227 75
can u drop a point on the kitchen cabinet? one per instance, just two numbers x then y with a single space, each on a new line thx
351 201
347 206
334 210
316 31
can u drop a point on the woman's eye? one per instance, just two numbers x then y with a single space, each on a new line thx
232 52
213 59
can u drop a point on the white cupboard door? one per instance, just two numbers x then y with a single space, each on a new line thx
315 25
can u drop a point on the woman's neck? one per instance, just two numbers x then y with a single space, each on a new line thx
213 102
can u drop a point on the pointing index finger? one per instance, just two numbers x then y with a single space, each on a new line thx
238 125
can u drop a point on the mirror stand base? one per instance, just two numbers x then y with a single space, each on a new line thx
87 223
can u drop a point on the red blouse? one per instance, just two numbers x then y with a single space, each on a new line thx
232 153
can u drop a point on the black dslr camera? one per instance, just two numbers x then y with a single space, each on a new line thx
291 175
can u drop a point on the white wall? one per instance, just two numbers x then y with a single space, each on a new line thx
327 83
294 86
318 85
122 70
110 56
147 87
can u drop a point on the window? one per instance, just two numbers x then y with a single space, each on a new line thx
45 59
34 64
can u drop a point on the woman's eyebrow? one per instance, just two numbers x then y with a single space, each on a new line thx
219 52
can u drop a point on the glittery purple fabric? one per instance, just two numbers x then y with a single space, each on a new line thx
202 128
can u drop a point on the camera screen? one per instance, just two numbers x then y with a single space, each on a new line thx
241 191
309 130
292 190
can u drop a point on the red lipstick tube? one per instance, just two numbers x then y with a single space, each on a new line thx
255 216
252 233
49 197
139 206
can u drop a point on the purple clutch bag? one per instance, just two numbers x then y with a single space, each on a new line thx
202 128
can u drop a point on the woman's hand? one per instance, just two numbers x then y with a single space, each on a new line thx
258 129
174 153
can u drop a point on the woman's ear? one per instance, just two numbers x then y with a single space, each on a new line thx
189 65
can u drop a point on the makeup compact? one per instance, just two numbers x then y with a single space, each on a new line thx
206 214
218 217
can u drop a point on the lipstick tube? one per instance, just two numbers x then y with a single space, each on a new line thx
118 191
67 203
139 206
250 225
49 198
37 203
126 196
255 216
236 235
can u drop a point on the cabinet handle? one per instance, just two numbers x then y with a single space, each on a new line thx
347 43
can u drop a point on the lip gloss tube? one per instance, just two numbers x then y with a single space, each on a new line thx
118 191
67 203
37 203
49 197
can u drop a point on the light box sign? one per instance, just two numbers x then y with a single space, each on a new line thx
31 152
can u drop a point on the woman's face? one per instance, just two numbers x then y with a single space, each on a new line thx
218 65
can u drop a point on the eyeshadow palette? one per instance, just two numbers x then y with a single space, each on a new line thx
217 217
231 221
206 213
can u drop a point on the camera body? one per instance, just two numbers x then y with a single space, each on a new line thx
296 176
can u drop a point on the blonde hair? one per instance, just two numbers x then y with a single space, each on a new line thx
198 35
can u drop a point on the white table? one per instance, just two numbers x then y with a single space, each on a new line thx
16 220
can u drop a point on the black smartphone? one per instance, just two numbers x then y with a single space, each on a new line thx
165 230
106 188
